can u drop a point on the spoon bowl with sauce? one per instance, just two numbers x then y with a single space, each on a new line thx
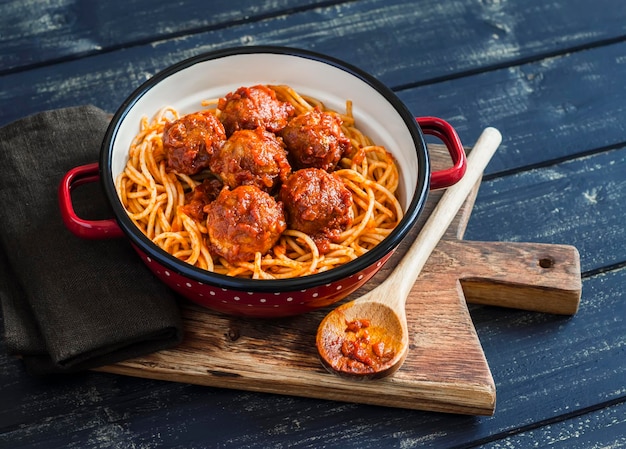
363 339
368 338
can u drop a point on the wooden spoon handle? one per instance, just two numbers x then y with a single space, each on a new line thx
407 271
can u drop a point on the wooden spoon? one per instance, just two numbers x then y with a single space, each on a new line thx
368 338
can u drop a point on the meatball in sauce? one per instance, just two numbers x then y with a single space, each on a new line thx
242 222
253 107
200 196
252 157
315 139
190 141
317 203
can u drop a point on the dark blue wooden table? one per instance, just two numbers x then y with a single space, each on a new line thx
550 75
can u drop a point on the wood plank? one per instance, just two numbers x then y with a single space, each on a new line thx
37 32
577 202
483 34
575 363
535 105
605 428
558 107
585 349
555 366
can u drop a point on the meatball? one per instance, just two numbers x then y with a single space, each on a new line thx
200 196
252 157
317 203
315 139
242 222
251 107
190 141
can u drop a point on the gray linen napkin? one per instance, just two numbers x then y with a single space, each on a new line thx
70 304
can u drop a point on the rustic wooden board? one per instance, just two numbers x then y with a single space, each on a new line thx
445 370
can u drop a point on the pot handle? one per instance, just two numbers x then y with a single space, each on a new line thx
445 132
87 229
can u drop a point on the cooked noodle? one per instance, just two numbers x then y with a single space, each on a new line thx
152 197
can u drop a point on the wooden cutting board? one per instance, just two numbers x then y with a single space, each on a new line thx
446 369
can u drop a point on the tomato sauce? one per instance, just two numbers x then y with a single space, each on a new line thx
362 349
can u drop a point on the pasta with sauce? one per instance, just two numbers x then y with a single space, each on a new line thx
288 189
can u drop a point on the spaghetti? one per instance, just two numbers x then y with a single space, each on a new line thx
154 196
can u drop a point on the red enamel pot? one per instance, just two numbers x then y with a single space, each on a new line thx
379 114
